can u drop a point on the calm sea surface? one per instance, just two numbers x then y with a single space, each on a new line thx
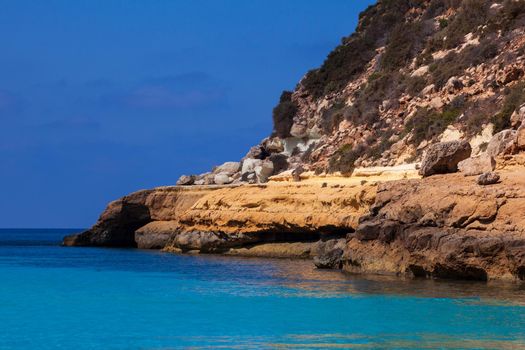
53 297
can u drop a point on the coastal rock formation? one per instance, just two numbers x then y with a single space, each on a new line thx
212 219
444 226
117 224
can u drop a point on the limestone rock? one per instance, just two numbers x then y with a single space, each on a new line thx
263 171
509 74
489 178
204 179
273 145
222 179
249 177
229 168
249 164
501 143
477 165
443 227
186 180
443 157
155 235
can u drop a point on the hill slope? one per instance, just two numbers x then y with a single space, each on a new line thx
413 73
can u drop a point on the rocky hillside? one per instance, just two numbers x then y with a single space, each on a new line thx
413 73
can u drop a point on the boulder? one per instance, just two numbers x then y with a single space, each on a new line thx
477 165
329 254
273 145
501 143
443 157
453 84
489 178
222 179
249 164
264 171
205 179
257 152
229 168
186 180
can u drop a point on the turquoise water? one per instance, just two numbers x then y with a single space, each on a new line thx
53 297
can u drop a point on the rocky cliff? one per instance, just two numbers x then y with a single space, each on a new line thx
401 154
413 73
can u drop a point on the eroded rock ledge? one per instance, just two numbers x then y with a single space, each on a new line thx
443 226
232 219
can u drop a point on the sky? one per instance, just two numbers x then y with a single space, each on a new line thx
100 98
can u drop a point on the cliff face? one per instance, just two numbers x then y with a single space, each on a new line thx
445 226
428 87
214 219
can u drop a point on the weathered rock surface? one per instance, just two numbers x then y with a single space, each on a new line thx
222 179
228 168
329 254
502 143
477 165
186 180
117 224
443 157
215 219
443 226
263 171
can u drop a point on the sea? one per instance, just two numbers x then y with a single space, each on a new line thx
54 297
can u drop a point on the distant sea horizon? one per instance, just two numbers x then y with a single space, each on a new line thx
91 298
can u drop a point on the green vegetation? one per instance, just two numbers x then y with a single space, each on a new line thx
283 115
514 98
376 151
351 57
478 113
455 64
414 85
427 123
343 160
333 116
403 43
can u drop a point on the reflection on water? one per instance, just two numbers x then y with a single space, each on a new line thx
301 276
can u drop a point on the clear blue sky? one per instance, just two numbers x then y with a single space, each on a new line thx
99 98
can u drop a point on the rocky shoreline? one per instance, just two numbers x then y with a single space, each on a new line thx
442 226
